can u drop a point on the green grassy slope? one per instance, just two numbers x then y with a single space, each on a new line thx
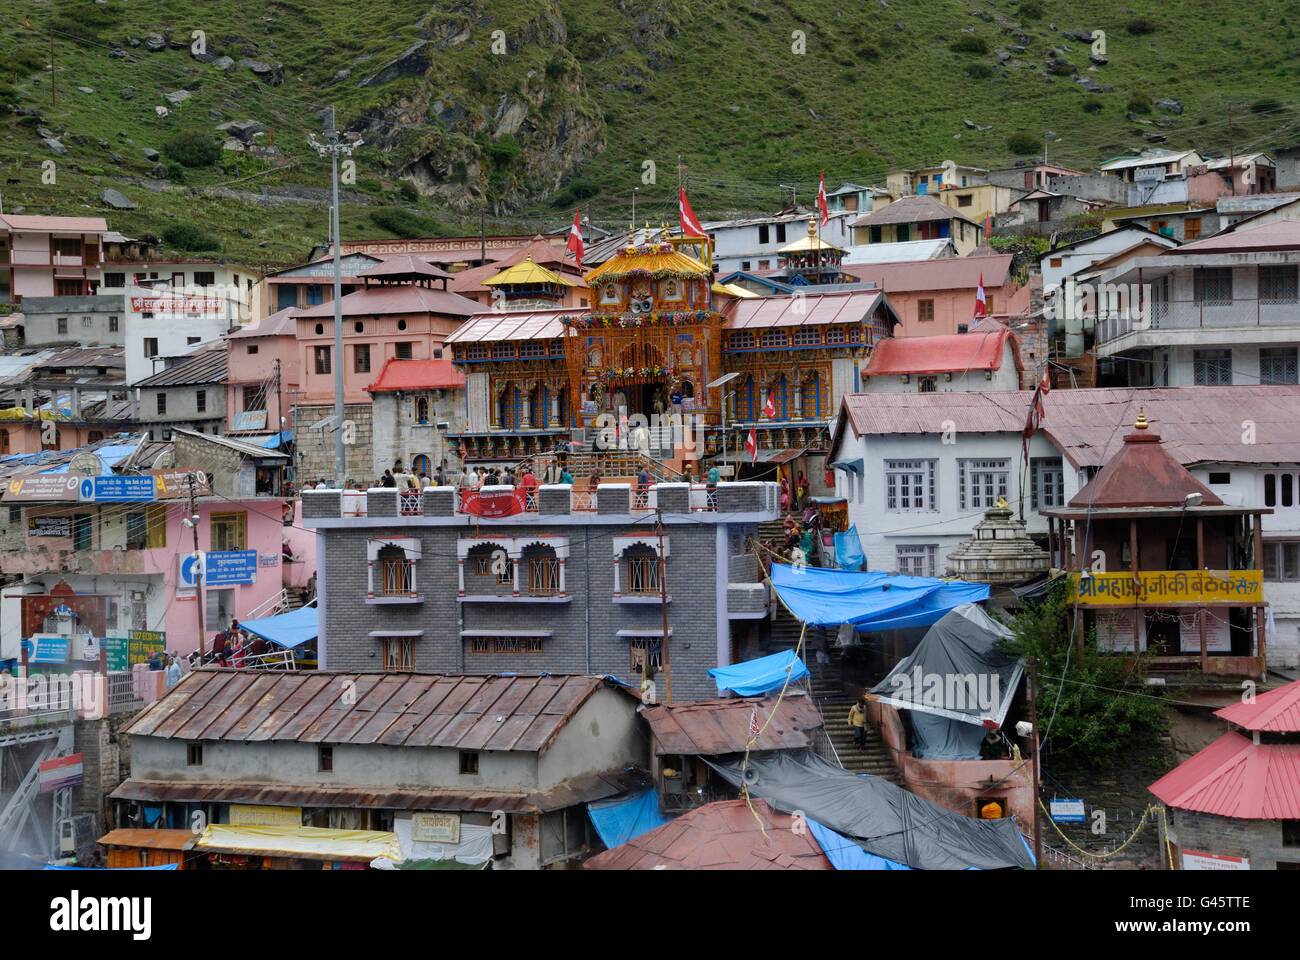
615 83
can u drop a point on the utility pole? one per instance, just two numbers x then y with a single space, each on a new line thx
279 416
335 146
193 524
663 604
1232 174
482 234
1033 722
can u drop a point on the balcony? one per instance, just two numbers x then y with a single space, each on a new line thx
1181 323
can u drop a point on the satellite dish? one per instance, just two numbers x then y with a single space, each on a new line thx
86 463
166 459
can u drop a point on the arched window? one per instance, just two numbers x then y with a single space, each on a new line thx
422 409
543 570
640 570
396 576
421 466
489 570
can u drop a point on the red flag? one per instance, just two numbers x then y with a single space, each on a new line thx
751 445
1035 418
981 302
1045 385
821 201
988 226
754 726
769 408
691 226
575 238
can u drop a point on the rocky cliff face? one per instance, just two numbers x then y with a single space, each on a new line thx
485 113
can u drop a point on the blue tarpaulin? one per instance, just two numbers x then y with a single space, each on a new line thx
869 601
625 818
848 550
291 629
756 677
844 854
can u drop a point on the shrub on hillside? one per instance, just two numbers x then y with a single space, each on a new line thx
1139 103
1141 26
969 44
979 71
1023 143
186 236
1092 105
1031 10
193 149
403 223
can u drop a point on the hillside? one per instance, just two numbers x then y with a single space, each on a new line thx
579 95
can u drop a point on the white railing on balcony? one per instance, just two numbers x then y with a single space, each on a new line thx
1193 315
410 503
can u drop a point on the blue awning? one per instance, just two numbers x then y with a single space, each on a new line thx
756 677
291 629
274 441
869 601
844 854
625 818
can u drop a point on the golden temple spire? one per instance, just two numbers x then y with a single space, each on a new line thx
1141 423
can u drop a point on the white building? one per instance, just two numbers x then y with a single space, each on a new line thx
752 244
165 322
919 470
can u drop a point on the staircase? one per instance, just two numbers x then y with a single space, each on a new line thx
835 701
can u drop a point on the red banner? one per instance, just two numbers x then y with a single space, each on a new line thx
492 503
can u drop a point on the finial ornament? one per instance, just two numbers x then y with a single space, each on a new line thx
1141 423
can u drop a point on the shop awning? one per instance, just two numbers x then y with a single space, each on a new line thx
869 601
756 677
291 629
311 843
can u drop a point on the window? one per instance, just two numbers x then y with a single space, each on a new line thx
361 358
469 762
151 346
147 529
1277 284
532 348
422 409
924 310
315 295
763 236
229 531
780 233
563 834
402 351
1213 286
505 644
204 278
324 759
1191 228
1281 560
321 356
834 335
201 401
190 341
1054 262
178 280
1046 483
255 398
1219 479
917 560
1278 485
112 324
194 754
1212 368
252 349
399 654
62 324
396 573
161 400
1291 833
642 571
965 200
807 336
909 485
543 571
981 482
639 648
115 280
1277 365
774 339
742 340
927 385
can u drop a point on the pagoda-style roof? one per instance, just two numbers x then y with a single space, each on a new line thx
654 259
527 273
1143 474
403 267
810 243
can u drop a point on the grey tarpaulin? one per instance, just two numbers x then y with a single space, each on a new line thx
954 681
883 819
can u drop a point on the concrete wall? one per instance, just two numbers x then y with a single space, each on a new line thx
88 321
397 435
1090 187
315 448
605 734
183 408
1260 841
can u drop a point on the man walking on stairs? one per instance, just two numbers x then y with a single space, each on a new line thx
858 721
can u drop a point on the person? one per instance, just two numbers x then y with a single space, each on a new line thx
566 476
801 489
806 543
174 672
642 486
438 477
858 721
424 480
712 486
237 654
785 495
7 684
286 551
387 479
219 647
258 647
529 484
471 478
511 480
493 478
321 485
156 660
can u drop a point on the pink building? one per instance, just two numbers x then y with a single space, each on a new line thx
262 374
937 297
50 256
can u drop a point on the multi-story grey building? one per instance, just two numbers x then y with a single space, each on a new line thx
409 581
93 320
189 394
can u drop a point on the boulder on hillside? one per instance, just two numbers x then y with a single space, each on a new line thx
155 42
411 62
272 73
116 199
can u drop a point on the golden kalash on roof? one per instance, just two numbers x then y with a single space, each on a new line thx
652 339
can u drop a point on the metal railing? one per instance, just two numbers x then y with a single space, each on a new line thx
121 693
269 607
410 503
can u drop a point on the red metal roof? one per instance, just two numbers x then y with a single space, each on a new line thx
540 250
803 310
719 836
1277 711
55 224
1198 424
524 325
522 713
951 273
712 727
417 375
279 324
1142 474
950 352
1234 777
404 265
399 298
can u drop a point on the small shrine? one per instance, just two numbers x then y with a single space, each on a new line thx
528 284
999 551
811 260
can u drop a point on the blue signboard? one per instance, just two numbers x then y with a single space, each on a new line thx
114 488
1068 810
224 567
46 649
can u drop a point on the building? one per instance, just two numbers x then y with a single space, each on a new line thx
541 274
1029 177
1044 210
164 324
937 297
93 320
920 470
312 284
979 201
1181 222
1154 176
50 256
1071 258
263 373
1233 806
755 243
501 766
855 198
983 361
191 393
1218 311
403 311
921 181
66 399
1180 577
473 583
418 405
207 286
918 218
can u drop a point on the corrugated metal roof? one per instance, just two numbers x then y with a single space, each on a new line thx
55 224
279 324
713 727
86 357
1142 474
247 449
397 298
811 309
726 835
1197 424
1234 777
153 839
1277 711
951 273
207 365
524 325
945 353
920 208
404 265
518 713
417 375
1279 235
1145 160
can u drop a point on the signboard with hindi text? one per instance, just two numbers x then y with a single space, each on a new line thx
261 815
142 644
435 827
1169 588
